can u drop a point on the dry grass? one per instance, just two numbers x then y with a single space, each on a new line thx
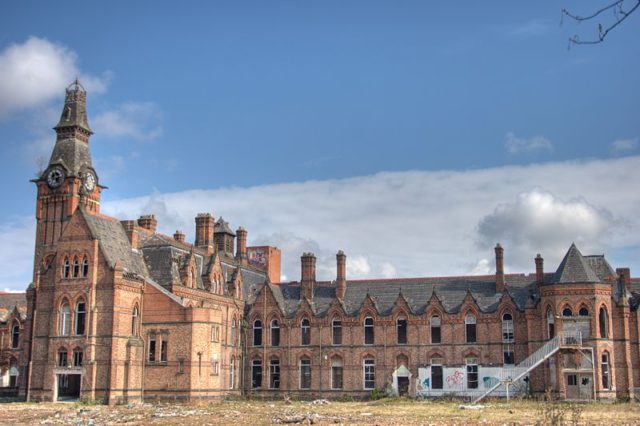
382 412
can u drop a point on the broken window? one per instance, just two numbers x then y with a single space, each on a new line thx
604 370
336 331
62 357
336 373
81 315
163 349
472 373
368 331
508 354
551 324
470 328
257 333
152 348
275 333
436 373
305 330
436 336
369 371
15 336
401 330
305 373
77 357
256 373
274 374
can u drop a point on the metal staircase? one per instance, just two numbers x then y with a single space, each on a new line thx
515 373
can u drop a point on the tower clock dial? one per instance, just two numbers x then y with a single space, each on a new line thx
55 177
89 181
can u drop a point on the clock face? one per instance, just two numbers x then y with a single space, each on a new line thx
89 181
55 177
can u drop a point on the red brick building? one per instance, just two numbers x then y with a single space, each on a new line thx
13 311
119 312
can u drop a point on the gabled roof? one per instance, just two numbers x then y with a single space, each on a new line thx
574 268
114 243
222 227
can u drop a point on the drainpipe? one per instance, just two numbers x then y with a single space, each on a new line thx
320 339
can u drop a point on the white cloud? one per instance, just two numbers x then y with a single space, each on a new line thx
37 71
16 253
624 145
137 120
422 223
516 145
538 221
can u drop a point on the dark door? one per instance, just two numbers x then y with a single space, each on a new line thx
403 386
68 387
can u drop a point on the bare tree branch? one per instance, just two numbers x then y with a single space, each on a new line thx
619 13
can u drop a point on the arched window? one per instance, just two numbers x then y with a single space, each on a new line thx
64 325
567 312
436 334
233 332
257 333
584 311
15 336
401 330
551 324
337 375
336 331
66 268
190 279
507 328
472 372
274 373
470 328
305 373
275 333
305 332
62 357
232 371
77 357
256 373
81 315
368 331
369 373
13 373
85 266
603 319
76 267
134 320
605 372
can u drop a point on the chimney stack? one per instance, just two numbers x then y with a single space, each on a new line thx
204 232
539 269
148 222
179 236
131 231
499 268
241 245
624 274
308 264
341 275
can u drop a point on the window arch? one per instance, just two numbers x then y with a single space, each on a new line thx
603 319
305 372
584 311
77 357
233 332
369 373
15 335
605 371
336 331
436 331
66 268
134 320
305 332
470 328
401 330
275 332
369 336
551 323
80 317
76 267
232 370
257 333
85 266
567 312
64 324
62 357
507 328
337 369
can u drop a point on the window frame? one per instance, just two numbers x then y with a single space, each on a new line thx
15 336
256 374
80 318
369 336
603 322
274 333
433 327
337 373
336 325
470 328
64 319
437 362
471 369
274 373
257 333
368 373
304 371
305 332
402 334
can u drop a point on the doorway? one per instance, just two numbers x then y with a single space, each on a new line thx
69 387
403 386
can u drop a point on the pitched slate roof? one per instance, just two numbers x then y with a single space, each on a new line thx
574 268
451 291
8 301
600 266
222 226
114 243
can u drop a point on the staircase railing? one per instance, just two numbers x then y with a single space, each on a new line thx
515 373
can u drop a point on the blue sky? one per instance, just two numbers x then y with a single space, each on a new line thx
380 96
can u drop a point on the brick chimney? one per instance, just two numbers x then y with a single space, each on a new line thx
341 274
204 232
241 245
179 236
131 231
148 222
308 280
499 268
539 269
624 274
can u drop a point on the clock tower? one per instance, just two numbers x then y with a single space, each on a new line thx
69 181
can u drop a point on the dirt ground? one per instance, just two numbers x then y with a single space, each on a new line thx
382 412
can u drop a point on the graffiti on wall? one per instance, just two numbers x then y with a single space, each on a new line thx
455 379
490 382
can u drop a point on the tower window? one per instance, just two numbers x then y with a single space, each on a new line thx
603 319
567 312
64 325
66 268
76 267
85 266
551 324
134 321
81 315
